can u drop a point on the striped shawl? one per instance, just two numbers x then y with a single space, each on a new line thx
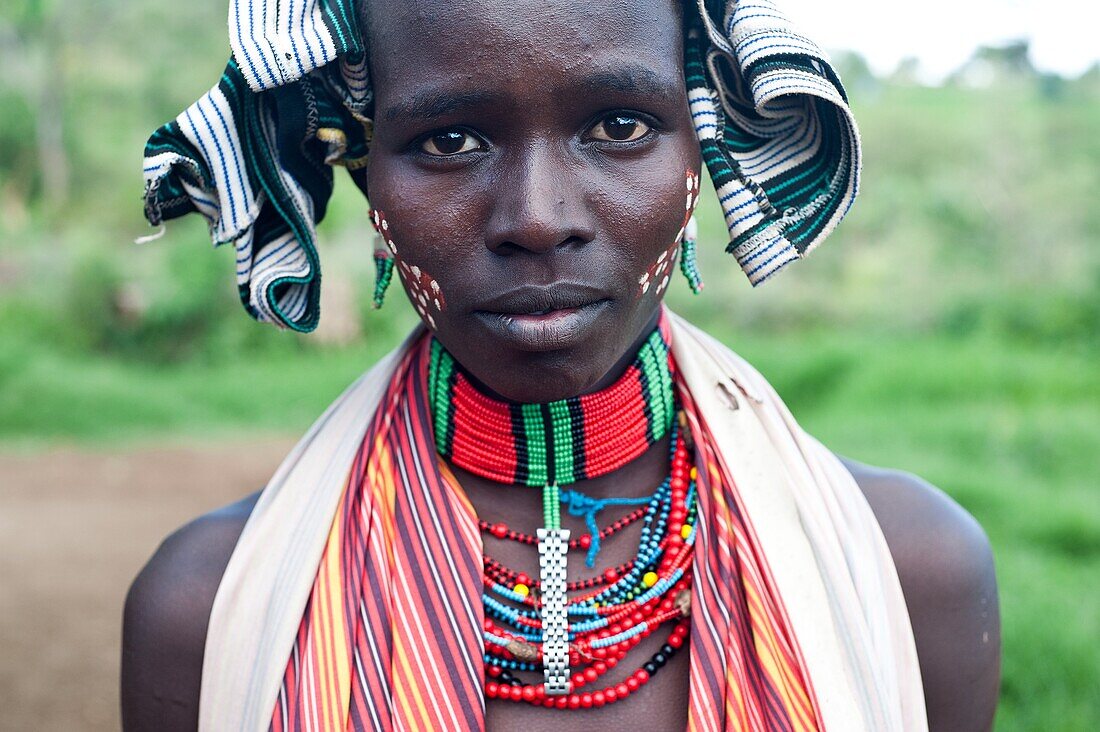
782 522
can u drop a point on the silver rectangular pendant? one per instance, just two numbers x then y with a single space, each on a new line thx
553 547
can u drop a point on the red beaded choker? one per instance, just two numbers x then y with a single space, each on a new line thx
557 443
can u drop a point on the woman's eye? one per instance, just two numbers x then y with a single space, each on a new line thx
450 142
619 128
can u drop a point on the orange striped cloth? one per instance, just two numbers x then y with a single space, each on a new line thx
391 636
746 670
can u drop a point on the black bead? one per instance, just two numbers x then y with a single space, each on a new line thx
668 650
650 667
660 659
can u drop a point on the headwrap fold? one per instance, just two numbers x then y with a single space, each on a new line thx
254 156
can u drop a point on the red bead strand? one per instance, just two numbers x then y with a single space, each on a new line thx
501 531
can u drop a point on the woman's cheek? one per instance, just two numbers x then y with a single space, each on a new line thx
659 272
424 289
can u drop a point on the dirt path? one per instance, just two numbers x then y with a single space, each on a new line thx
75 527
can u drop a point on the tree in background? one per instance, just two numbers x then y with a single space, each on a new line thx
31 46
993 65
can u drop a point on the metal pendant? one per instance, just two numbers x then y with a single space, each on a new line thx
553 546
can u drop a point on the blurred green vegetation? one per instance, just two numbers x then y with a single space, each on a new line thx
949 327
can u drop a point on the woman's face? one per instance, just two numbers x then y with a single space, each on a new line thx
531 166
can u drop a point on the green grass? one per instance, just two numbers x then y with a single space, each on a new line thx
50 393
1010 432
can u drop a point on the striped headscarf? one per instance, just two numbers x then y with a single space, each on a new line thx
254 155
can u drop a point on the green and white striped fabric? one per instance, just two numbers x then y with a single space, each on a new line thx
254 156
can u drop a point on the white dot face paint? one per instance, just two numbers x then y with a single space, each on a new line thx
425 294
692 196
659 272
383 228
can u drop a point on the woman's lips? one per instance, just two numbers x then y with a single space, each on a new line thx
544 330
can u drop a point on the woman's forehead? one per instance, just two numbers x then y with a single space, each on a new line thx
418 40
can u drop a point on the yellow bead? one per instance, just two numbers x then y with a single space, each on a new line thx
522 590
685 531
650 579
694 473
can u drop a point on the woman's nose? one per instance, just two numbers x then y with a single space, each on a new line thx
540 204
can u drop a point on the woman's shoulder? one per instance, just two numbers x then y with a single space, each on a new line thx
945 565
165 620
935 538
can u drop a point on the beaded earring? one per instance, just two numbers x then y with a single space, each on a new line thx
688 265
383 273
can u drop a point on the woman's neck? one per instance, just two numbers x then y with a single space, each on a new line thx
616 371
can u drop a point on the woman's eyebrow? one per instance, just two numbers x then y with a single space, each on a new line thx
627 79
432 104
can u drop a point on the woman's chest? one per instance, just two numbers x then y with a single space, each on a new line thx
658 703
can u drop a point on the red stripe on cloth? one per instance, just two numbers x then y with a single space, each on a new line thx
737 618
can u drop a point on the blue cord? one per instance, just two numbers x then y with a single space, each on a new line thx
580 505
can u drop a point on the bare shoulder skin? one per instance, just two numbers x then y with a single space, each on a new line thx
165 618
941 553
945 565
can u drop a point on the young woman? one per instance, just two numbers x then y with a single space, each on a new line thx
556 505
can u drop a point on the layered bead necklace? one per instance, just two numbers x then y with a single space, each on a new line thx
573 633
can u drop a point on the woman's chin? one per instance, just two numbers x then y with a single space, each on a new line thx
544 357
537 377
